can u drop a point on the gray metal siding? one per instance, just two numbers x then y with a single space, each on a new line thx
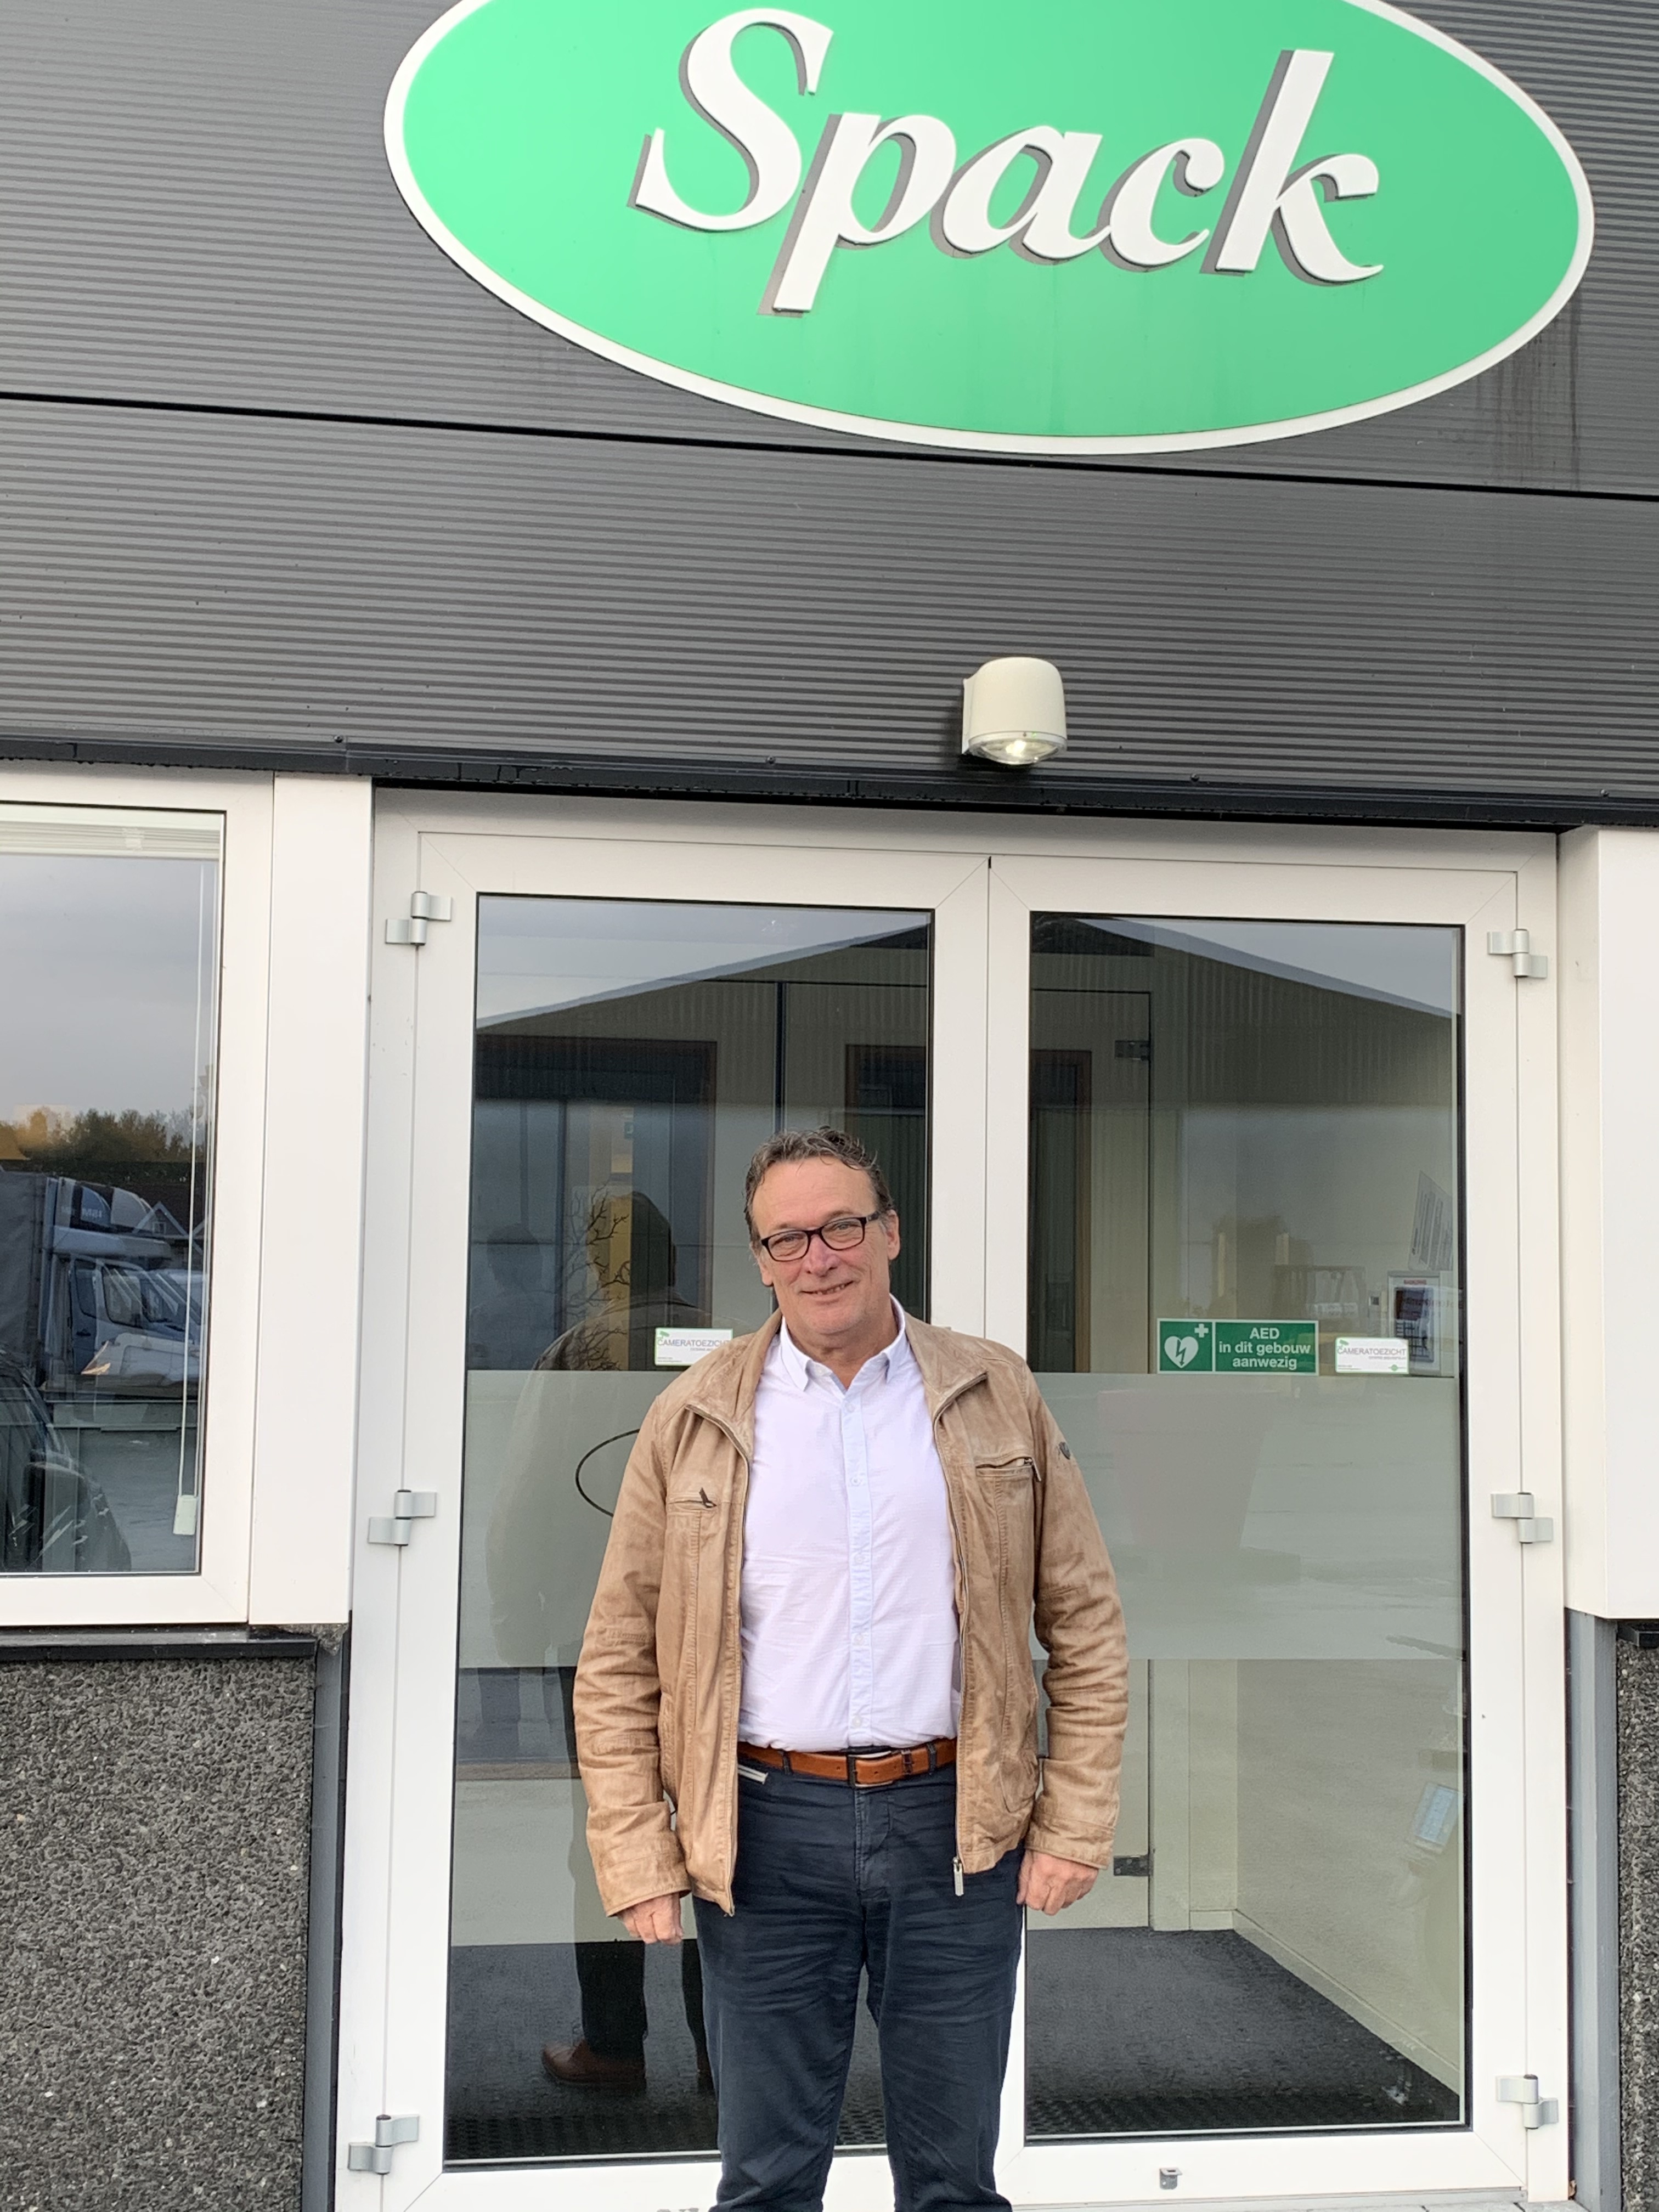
422 598
195 208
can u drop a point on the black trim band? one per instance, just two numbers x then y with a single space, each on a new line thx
18 1646
972 788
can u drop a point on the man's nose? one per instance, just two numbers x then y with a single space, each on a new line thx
819 1258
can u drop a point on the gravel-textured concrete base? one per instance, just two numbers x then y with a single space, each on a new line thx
153 1883
1638 1922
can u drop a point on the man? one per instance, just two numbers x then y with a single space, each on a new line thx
812 1636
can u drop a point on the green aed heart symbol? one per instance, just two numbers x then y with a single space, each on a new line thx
1180 1350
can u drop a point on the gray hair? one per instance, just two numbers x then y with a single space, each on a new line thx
788 1145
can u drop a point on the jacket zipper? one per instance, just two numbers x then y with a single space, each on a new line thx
962 1620
739 1493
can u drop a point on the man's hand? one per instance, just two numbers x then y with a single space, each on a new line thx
1049 1883
657 1920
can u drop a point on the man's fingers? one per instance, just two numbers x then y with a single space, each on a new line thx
1050 1893
655 1920
665 1920
1049 1884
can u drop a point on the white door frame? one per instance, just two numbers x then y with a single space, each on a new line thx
403 1686
1516 1740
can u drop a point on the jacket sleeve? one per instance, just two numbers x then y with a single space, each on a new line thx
1079 1623
630 1838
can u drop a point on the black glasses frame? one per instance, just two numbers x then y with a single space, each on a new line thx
780 1235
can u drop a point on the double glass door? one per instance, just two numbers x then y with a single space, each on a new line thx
1190 1126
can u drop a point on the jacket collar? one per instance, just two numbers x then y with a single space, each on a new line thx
950 1363
723 1386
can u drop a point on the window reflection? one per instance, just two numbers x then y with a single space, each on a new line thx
109 937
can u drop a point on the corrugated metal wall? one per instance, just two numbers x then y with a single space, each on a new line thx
218 580
276 475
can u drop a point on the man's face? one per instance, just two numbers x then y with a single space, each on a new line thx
828 1299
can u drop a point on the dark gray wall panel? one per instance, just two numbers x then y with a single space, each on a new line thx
1592 1901
153 1861
195 206
189 580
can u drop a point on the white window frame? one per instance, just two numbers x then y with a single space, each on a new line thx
403 1683
278 1439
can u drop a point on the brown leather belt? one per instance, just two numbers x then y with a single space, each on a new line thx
870 1771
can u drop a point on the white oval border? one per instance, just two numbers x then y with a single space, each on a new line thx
985 441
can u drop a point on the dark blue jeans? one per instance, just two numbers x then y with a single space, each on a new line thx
830 1880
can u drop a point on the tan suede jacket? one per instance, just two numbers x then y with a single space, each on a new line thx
657 1690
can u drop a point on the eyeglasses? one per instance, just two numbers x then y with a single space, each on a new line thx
844 1234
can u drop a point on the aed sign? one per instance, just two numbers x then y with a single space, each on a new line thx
1082 226
1238 1348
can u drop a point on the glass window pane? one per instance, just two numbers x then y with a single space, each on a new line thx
109 923
629 1057
1245 1311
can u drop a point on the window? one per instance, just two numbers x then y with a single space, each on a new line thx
628 1056
109 941
1245 1302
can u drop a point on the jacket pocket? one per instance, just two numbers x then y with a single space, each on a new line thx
1010 1487
691 1524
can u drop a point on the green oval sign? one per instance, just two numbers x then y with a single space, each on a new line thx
1094 226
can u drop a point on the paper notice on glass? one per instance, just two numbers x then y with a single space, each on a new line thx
1373 1355
683 1347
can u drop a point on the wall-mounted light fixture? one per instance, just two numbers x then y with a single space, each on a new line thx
1013 711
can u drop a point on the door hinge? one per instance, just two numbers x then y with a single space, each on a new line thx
390 2128
1522 2089
1517 1506
424 907
1516 946
408 1506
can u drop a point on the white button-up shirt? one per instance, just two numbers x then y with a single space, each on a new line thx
849 1614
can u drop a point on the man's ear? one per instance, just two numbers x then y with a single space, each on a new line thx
892 1228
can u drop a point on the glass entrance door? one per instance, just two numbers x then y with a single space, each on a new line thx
583 1059
1248 1197
1189 1121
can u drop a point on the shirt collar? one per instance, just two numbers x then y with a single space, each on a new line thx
799 1369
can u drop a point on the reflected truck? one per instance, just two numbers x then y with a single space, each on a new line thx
100 1325
53 1519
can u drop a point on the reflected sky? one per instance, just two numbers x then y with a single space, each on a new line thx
1402 965
101 957
541 955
